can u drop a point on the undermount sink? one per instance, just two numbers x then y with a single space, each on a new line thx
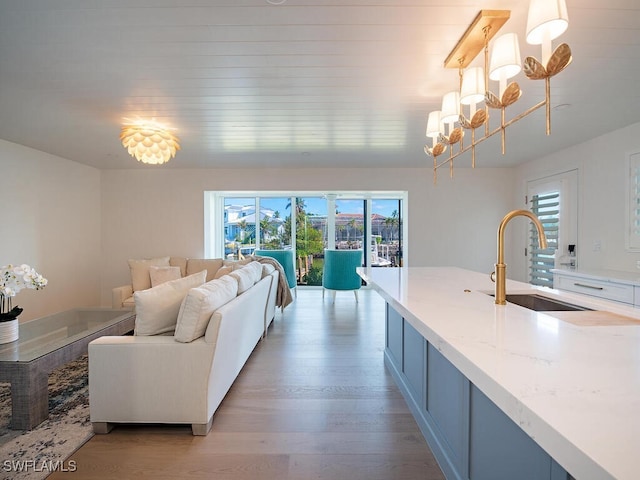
539 303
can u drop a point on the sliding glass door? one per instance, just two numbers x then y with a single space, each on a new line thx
237 223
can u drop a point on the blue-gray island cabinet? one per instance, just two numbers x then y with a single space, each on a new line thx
469 435
504 392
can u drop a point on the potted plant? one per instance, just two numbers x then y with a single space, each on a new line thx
12 280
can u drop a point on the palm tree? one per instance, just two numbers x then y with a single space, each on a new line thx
242 224
300 206
352 225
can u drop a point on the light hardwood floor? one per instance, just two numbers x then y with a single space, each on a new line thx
314 401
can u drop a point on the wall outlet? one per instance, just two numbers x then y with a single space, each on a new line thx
637 263
597 245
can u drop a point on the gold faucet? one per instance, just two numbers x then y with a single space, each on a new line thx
499 276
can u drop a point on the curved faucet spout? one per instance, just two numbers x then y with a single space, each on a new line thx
501 267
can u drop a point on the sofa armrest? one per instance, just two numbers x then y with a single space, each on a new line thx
149 379
120 294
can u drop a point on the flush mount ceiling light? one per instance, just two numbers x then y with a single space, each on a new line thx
149 141
546 21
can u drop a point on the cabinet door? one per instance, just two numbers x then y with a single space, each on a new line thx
413 361
500 449
394 336
448 405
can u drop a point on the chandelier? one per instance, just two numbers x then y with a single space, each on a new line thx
547 20
149 141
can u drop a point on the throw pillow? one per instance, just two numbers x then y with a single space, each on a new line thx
256 269
211 265
140 279
267 269
242 262
157 308
200 303
163 274
245 279
222 271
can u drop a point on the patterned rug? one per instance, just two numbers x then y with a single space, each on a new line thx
36 453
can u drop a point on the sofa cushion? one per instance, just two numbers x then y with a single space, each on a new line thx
179 262
245 278
222 271
157 308
140 279
200 303
211 265
163 274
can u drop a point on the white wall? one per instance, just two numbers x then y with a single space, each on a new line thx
602 176
50 220
155 212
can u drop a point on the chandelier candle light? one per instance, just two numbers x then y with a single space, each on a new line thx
547 20
149 141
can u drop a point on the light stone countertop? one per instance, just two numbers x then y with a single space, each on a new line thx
575 390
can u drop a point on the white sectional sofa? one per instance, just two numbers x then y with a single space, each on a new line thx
180 373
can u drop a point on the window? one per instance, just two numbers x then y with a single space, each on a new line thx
546 207
554 201
236 223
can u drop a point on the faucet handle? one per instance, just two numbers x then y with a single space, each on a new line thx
492 276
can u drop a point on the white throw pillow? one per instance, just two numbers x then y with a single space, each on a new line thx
140 278
157 308
245 279
200 303
256 269
163 274
267 269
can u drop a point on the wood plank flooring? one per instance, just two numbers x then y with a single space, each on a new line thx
314 401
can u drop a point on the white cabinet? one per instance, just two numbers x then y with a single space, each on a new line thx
615 286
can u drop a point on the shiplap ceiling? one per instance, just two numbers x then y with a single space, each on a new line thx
333 83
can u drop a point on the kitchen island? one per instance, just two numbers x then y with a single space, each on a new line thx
500 387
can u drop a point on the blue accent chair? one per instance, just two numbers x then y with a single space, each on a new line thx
285 258
339 271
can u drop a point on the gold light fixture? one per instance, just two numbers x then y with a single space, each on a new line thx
149 141
547 19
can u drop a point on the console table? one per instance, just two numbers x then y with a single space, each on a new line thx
45 344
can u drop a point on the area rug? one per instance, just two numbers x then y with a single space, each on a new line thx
36 453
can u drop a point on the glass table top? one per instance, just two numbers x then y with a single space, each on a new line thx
41 336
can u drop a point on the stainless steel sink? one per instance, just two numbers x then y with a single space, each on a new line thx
539 303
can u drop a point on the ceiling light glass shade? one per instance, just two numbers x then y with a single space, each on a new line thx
149 142
473 88
546 19
450 107
433 124
505 57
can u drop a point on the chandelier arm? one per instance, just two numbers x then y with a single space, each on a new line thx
491 134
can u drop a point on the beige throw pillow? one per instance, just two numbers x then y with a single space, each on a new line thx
245 279
222 271
157 308
140 278
163 274
200 303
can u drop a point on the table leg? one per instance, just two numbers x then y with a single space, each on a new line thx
29 398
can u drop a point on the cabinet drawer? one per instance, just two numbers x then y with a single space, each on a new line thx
618 292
